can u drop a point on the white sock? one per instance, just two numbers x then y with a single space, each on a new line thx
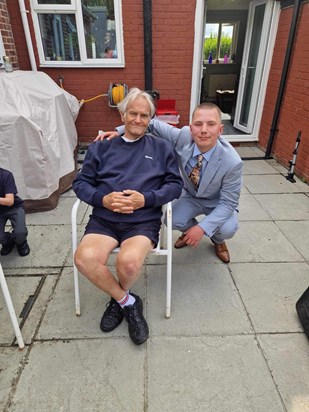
126 300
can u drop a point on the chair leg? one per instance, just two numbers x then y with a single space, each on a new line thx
169 261
9 304
74 247
76 290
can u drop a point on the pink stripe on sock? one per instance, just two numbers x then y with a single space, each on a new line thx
124 300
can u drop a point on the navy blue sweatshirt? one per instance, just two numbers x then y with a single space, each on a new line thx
147 165
7 185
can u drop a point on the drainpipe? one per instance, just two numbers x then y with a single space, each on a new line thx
147 14
287 60
24 18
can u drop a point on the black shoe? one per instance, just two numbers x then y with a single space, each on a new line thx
23 249
7 248
138 328
112 317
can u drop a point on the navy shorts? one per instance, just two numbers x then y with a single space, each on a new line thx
123 231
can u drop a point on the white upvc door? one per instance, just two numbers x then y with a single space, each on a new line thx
2 52
253 63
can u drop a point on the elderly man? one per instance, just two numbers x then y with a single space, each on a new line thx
126 180
212 174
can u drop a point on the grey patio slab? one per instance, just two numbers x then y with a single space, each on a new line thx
258 167
249 151
10 359
60 215
31 271
82 375
68 193
205 252
204 301
290 206
287 356
34 317
270 184
217 374
20 290
49 247
262 242
298 234
280 168
244 189
270 291
93 304
250 209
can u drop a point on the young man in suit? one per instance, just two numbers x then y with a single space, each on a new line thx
216 193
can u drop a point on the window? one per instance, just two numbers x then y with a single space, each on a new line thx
220 42
79 33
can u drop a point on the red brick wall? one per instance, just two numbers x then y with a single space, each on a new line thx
294 114
173 31
7 34
173 39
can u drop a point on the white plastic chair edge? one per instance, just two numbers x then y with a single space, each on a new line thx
11 310
157 250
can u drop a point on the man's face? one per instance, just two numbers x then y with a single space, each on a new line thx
136 118
205 128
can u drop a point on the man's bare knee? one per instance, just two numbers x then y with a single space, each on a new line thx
85 257
129 266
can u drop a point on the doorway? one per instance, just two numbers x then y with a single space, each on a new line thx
234 51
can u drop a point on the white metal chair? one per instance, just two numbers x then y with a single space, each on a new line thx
159 250
9 304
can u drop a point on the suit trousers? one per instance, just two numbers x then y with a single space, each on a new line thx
186 209
17 218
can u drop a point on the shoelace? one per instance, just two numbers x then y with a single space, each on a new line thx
135 318
112 308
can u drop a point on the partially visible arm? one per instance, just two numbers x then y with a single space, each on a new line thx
171 186
106 135
8 200
85 184
85 187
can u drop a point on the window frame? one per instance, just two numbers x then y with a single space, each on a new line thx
235 24
76 8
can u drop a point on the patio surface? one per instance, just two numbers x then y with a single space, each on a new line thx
233 342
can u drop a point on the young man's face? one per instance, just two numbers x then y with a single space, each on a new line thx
136 118
205 128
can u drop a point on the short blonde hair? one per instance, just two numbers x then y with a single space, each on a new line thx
134 94
207 106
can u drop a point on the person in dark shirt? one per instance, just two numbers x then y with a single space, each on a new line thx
12 209
126 180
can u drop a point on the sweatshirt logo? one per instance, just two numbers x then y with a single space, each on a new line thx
148 157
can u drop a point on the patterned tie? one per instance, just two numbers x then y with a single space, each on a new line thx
194 175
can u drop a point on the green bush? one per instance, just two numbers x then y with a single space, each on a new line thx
210 45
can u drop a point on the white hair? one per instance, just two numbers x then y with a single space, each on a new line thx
134 94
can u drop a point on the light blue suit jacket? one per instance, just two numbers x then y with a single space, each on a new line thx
220 185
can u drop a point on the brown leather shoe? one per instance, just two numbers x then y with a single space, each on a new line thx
222 252
180 242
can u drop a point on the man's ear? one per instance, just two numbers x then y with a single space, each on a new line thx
122 117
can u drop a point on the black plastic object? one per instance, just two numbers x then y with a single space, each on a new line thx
302 308
154 94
